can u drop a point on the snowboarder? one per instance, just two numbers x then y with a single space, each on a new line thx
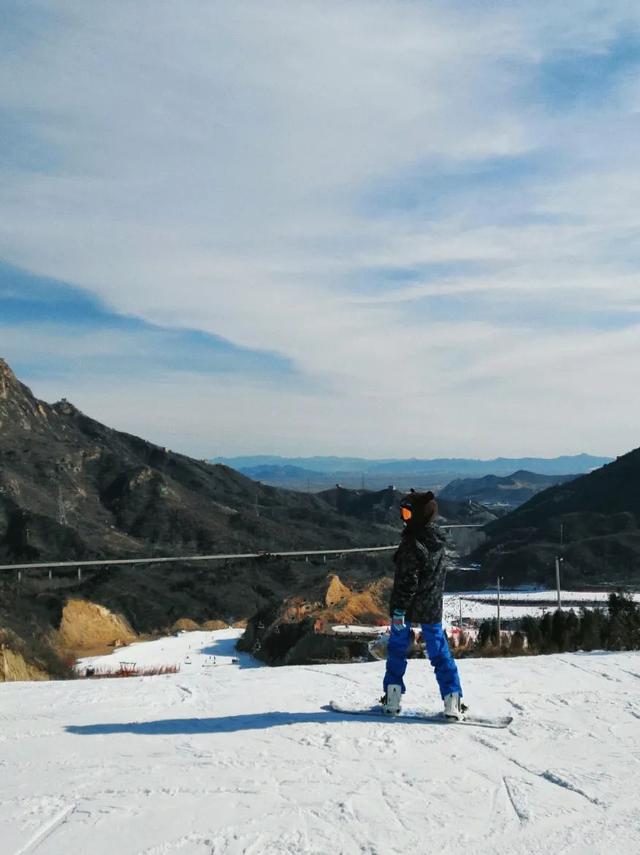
417 597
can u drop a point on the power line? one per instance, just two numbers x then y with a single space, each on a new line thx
187 558
226 557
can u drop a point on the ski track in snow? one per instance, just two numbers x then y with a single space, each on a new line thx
233 759
46 830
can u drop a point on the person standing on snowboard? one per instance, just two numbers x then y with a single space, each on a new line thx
416 597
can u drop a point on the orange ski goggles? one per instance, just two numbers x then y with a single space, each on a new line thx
406 513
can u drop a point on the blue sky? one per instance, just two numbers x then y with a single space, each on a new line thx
382 228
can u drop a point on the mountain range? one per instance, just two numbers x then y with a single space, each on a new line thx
313 474
72 488
563 465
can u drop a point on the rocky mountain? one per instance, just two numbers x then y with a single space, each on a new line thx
501 491
71 487
591 522
383 506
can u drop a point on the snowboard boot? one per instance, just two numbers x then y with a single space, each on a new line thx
453 706
391 700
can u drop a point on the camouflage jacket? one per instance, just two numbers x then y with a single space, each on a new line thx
421 568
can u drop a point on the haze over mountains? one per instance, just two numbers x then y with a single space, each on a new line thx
318 473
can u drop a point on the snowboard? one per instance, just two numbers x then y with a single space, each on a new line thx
376 711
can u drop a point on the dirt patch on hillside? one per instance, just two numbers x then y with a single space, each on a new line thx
336 592
88 626
13 666
185 625
214 625
342 605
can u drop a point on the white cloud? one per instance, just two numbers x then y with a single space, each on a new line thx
207 168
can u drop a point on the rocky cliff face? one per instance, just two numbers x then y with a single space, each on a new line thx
71 487
15 667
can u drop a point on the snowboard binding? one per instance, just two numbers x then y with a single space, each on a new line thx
391 699
454 708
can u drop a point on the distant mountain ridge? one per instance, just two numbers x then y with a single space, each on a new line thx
562 465
283 475
315 474
507 490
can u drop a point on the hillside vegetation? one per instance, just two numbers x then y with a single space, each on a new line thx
592 523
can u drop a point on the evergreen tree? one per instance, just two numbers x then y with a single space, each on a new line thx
590 630
624 623
488 632
546 640
572 630
531 628
517 642
559 630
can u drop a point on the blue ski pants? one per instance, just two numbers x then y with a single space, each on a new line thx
437 650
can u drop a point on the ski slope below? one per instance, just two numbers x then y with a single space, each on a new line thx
482 605
226 759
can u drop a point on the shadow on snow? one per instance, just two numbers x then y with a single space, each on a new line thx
225 724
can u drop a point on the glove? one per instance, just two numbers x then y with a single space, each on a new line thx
397 619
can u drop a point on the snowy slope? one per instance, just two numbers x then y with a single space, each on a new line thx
192 652
481 605
232 759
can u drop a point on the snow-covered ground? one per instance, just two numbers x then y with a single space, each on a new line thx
481 605
191 652
546 595
229 759
371 631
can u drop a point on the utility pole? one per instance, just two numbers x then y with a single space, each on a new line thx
558 560
499 636
460 620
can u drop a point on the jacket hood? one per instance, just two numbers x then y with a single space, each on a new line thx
429 535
